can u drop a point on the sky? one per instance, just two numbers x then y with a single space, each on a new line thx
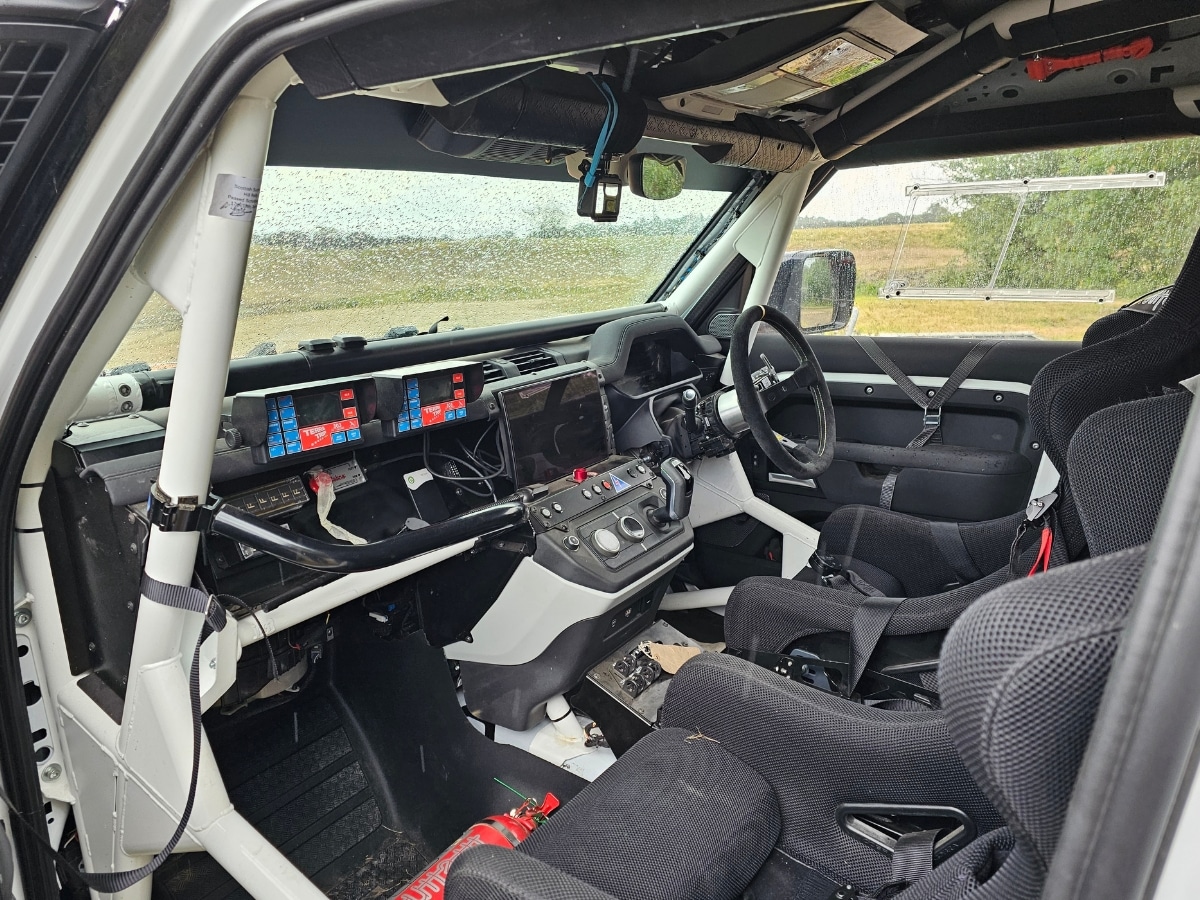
872 192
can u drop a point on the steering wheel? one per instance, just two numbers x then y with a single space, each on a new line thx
759 390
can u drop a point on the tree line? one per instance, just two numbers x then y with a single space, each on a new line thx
1133 240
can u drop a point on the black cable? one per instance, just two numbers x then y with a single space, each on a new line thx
482 476
266 638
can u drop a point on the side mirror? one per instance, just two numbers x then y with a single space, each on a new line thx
815 289
656 176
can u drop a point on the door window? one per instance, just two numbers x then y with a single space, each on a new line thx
1035 245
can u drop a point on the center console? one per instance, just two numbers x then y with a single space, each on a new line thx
609 531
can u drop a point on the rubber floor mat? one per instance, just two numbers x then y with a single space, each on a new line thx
292 772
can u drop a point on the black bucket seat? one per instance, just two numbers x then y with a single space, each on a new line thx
757 786
1119 462
1128 355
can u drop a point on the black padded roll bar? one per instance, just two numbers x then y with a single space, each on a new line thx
311 553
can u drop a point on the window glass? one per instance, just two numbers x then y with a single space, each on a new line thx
1000 252
340 251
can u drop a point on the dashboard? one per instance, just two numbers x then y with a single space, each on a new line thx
569 432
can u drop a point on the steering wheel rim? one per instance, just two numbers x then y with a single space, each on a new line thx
796 459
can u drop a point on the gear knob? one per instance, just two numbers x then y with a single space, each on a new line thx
679 492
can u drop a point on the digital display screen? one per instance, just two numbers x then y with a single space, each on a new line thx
556 426
297 423
649 364
436 389
318 409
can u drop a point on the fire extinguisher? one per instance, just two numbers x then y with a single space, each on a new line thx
505 830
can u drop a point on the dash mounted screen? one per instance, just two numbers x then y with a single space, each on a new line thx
556 426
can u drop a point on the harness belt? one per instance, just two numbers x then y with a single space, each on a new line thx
912 860
931 403
1041 513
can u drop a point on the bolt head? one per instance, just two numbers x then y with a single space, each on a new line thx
998 398
212 663
1036 446
52 772
23 617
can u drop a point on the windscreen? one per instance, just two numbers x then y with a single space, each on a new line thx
556 426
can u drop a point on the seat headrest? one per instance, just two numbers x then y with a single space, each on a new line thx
1131 365
1131 315
1119 464
1021 677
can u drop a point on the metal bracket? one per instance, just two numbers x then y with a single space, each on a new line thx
1039 506
184 514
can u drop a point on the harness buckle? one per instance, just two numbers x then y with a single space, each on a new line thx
933 417
824 566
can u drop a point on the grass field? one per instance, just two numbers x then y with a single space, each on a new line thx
930 247
293 293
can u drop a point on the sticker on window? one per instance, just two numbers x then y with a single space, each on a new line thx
235 197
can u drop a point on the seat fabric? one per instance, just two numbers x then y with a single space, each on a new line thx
1022 677
817 751
899 555
495 873
713 821
1125 455
1120 461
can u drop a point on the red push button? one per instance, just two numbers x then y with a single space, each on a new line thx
347 394
607 485
579 476
350 412
459 394
457 378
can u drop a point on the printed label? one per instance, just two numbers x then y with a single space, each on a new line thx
235 197
346 475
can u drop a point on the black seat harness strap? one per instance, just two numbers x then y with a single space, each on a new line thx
866 628
930 403
912 860
177 597
948 538
1041 513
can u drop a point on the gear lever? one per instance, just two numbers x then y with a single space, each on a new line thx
679 493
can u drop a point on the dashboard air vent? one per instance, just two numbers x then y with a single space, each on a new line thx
492 372
532 360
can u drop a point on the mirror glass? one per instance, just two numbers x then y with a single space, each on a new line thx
815 289
817 292
656 176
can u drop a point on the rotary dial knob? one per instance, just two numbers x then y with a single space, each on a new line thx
606 543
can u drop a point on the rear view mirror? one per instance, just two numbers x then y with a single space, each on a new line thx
656 176
815 289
